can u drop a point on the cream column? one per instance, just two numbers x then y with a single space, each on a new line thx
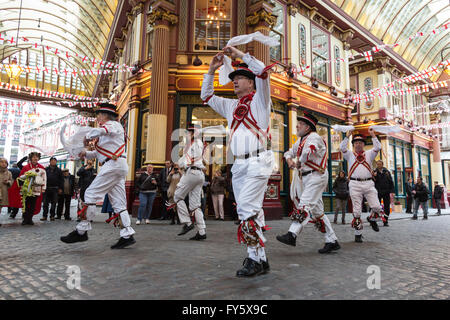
157 118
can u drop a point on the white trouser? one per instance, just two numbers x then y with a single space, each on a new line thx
110 180
358 189
191 184
250 177
311 188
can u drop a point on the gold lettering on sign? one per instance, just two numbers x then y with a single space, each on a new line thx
215 83
321 107
276 91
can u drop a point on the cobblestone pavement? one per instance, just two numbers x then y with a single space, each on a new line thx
413 257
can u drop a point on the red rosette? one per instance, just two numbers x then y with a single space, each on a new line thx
360 158
240 112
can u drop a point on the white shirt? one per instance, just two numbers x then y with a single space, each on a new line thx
110 136
314 150
243 140
361 172
193 156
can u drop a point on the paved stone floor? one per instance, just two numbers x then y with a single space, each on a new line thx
412 257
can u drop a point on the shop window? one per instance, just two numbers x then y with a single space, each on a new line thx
212 24
277 32
302 44
400 169
320 54
368 85
277 132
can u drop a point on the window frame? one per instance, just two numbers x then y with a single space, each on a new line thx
329 71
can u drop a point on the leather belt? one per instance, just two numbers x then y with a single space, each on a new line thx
195 168
305 173
107 159
251 154
361 179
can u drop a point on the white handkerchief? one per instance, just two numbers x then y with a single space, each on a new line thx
386 129
341 128
74 145
225 70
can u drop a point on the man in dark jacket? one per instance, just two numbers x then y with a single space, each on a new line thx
385 186
86 175
15 172
164 185
147 184
437 195
66 196
409 197
341 189
54 187
420 192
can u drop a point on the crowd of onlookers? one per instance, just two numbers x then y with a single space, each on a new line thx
61 187
417 194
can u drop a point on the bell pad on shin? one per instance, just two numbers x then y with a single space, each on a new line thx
249 232
357 224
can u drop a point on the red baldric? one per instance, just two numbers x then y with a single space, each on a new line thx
111 155
242 114
359 159
323 163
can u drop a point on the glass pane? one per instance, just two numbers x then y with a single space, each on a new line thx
212 24
302 44
277 132
144 130
399 158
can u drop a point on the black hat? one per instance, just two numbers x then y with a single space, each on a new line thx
358 137
107 108
310 120
242 69
53 158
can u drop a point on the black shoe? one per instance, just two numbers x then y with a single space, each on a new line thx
237 222
186 229
330 247
385 224
74 236
251 268
287 238
57 218
414 218
122 243
24 223
44 219
425 218
12 216
52 218
358 238
68 219
172 222
198 237
373 224
343 221
265 266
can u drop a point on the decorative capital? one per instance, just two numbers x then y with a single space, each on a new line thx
138 6
262 16
161 14
292 6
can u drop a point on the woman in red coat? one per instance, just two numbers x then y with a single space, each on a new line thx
38 184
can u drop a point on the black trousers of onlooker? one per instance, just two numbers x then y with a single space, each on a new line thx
30 204
438 205
82 191
409 202
13 212
50 197
164 208
386 203
64 202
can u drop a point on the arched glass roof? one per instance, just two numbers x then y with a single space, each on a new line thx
74 26
394 21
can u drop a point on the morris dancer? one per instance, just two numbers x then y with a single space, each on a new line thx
109 150
361 180
311 151
191 183
249 119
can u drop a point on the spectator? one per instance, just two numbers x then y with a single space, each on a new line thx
204 193
107 207
15 171
340 188
6 181
437 195
217 188
33 175
164 185
385 186
55 181
147 185
86 174
409 197
173 178
420 192
66 196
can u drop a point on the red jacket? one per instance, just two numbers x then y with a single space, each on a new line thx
15 199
